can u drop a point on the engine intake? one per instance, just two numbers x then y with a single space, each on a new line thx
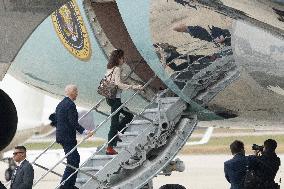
8 120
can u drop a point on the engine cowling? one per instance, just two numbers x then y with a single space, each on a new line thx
8 120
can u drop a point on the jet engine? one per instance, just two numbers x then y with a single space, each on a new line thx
8 120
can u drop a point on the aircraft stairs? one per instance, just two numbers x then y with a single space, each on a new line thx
155 135
148 144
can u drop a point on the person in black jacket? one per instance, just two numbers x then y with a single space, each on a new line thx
266 165
66 127
235 168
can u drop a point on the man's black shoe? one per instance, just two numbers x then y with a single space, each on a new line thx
118 139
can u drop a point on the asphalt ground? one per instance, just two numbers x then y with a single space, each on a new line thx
202 171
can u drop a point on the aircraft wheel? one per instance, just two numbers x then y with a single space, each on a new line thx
172 186
8 174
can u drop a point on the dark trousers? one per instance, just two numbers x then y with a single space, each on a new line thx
74 160
117 125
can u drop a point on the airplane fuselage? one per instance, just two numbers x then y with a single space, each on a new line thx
73 43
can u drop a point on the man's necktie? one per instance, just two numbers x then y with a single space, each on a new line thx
14 175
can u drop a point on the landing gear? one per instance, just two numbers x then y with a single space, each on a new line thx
172 186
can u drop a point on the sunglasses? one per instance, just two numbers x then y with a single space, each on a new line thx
15 153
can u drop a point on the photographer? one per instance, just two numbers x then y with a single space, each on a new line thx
265 164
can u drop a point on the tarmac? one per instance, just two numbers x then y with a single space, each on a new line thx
202 171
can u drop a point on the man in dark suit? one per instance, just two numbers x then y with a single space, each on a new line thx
2 186
235 168
23 175
66 127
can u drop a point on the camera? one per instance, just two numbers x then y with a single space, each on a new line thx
257 147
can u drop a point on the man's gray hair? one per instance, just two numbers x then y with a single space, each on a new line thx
70 88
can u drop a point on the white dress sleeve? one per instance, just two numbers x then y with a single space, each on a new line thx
117 81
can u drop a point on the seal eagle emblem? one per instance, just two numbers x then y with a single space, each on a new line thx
70 28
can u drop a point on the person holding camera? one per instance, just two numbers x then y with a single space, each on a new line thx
235 168
265 163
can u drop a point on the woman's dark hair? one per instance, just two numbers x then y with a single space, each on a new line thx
114 57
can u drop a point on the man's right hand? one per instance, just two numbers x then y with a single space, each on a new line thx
89 133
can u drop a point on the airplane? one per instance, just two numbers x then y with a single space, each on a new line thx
241 82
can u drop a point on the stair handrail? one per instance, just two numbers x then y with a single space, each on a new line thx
104 145
94 130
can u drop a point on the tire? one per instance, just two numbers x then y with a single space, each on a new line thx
172 186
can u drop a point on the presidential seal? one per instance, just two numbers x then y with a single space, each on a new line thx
71 30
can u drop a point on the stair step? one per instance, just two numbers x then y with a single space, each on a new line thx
155 110
169 100
102 157
164 102
81 180
128 136
121 146
91 169
100 160
150 115
138 128
140 122
152 110
153 113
